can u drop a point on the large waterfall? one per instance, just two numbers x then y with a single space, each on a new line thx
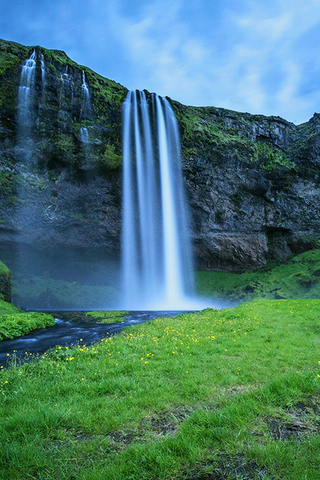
156 253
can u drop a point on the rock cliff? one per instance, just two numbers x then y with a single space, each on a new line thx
252 181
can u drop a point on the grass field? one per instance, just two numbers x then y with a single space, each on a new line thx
229 394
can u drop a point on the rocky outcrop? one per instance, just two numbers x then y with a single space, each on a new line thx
252 181
253 185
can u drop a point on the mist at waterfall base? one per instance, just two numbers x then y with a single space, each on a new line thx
157 267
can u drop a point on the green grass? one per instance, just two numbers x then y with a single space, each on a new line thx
4 270
299 278
108 316
230 394
14 323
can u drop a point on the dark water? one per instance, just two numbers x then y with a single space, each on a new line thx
69 328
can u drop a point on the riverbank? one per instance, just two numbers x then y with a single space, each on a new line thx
214 394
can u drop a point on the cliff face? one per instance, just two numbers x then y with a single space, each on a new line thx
252 181
59 161
253 184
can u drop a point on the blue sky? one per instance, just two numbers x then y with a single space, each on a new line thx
245 55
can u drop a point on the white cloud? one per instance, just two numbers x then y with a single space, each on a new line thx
259 57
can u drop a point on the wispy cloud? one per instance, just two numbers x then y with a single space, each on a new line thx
258 72
248 55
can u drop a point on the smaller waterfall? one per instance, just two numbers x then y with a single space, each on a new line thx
66 96
27 81
43 71
84 135
86 109
156 252
84 88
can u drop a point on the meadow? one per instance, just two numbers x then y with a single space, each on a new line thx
218 394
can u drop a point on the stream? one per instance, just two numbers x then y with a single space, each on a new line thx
68 329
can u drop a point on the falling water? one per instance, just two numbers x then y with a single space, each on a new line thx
84 88
86 109
43 71
27 81
84 135
156 252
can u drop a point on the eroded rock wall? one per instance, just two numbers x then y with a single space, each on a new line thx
252 181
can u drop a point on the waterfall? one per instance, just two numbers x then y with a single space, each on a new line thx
43 71
86 109
84 135
156 253
27 81
84 88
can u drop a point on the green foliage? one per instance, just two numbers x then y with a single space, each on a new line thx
18 324
108 316
270 158
7 183
8 308
110 159
14 323
200 395
299 278
4 270
218 133
65 147
7 61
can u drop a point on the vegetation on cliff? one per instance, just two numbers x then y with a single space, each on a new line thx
14 323
248 138
299 277
5 282
219 394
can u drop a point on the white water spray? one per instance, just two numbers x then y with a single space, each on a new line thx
156 252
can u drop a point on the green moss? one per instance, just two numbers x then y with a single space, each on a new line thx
108 316
299 278
270 158
8 61
5 283
216 134
110 159
8 308
65 148
4 270
13 325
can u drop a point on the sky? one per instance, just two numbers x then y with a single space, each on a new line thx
253 56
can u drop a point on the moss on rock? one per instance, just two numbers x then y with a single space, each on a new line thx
5 282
